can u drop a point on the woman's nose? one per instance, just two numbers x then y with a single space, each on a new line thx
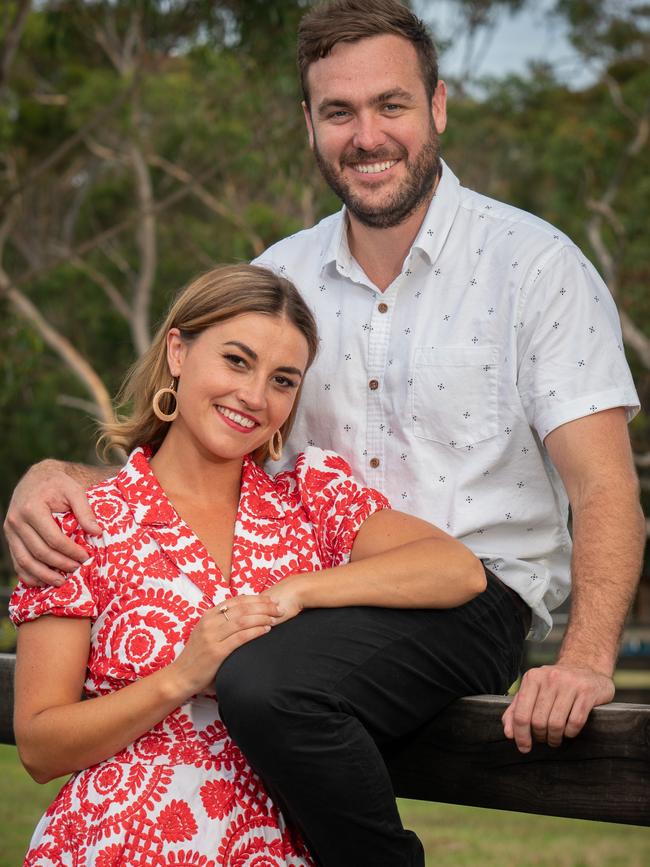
253 393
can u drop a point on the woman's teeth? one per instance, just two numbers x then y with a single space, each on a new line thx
236 417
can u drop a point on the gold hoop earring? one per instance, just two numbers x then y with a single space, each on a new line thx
275 450
155 403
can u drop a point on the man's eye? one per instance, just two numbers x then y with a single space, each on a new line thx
339 114
392 106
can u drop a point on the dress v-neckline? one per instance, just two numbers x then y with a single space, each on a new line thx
154 509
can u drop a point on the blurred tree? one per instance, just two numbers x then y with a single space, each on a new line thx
144 140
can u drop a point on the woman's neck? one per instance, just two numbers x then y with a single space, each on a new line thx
185 472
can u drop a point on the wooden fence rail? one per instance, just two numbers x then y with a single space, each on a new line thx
462 757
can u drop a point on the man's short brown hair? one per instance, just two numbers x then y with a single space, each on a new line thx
335 21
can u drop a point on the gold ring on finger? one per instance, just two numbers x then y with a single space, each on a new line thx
224 610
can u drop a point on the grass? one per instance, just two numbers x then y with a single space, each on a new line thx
471 837
452 836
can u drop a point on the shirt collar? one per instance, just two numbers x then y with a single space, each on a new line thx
336 250
150 506
145 497
440 215
429 240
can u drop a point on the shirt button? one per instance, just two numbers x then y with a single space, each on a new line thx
383 308
373 385
374 463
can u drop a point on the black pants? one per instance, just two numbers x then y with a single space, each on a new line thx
313 702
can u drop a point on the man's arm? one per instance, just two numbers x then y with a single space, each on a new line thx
594 459
39 550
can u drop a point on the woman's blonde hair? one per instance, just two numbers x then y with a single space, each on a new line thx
218 295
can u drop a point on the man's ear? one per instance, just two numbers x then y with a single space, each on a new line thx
309 124
176 349
439 106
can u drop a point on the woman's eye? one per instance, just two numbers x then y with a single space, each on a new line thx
285 382
237 360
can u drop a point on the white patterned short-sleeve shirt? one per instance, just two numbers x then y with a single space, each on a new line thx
441 389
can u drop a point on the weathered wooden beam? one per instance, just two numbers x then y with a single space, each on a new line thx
7 664
462 757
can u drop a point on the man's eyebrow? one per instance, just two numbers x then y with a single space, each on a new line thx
326 104
386 96
253 356
394 93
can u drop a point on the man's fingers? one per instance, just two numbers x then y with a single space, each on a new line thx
80 507
555 701
29 570
522 713
558 717
37 544
541 713
44 551
580 711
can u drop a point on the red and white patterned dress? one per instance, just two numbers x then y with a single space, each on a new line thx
182 794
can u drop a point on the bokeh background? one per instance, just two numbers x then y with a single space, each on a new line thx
142 141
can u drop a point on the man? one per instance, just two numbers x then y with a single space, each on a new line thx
471 367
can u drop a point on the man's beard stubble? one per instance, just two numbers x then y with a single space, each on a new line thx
413 191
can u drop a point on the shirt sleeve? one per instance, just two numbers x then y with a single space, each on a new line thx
74 598
571 361
335 502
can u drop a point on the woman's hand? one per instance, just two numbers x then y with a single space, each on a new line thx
287 594
58 734
215 637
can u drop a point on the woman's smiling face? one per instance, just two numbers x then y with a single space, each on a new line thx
237 382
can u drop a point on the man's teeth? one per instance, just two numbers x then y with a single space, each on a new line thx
234 416
373 168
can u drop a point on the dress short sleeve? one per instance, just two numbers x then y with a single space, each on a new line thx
336 503
74 598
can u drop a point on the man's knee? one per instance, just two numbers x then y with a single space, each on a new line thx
262 686
245 685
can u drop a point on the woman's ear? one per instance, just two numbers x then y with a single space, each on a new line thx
176 351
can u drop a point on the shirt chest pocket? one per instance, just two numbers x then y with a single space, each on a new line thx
455 394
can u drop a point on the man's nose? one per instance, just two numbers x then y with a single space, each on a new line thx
368 134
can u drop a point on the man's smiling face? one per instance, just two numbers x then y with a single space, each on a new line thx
372 128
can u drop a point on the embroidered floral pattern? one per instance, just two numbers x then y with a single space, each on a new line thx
182 795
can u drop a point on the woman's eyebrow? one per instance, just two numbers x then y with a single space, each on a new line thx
254 357
245 349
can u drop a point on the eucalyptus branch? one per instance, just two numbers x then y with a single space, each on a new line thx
211 202
28 311
65 147
11 42
99 240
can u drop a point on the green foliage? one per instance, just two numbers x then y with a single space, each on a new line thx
211 89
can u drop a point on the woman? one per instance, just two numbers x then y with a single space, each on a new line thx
200 552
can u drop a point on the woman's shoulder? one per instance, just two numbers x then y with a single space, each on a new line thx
315 464
316 474
115 501
108 507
